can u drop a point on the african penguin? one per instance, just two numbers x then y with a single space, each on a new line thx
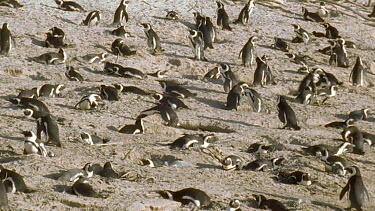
286 114
166 112
89 102
339 55
357 76
53 41
247 52
296 177
341 124
222 16
245 13
269 204
301 35
232 162
311 16
235 95
92 18
264 165
353 135
10 3
331 32
234 205
188 141
229 78
50 90
336 163
17 179
121 13
170 100
72 74
52 57
109 172
153 40
262 75
322 11
254 99
32 145
28 93
262 148
119 48
186 196
359 114
208 31
121 32
81 187
172 15
109 93
136 128
30 103
72 175
197 44
49 127
159 74
176 90
280 44
93 139
6 40
69 5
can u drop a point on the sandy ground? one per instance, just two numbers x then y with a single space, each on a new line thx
29 25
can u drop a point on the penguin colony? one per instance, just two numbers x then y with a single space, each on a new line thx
164 110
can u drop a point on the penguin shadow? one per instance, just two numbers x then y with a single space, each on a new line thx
65 106
187 24
66 20
61 188
54 176
90 70
370 119
19 139
342 116
37 42
203 90
103 47
8 153
10 159
38 77
230 121
175 43
210 102
207 166
112 128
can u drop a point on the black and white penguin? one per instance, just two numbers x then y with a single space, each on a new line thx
355 188
262 75
296 177
109 93
4 196
262 148
255 99
121 32
229 78
340 124
172 15
69 5
170 100
235 95
331 32
359 114
93 139
245 13
81 187
166 112
197 44
126 72
247 52
32 145
119 48
264 165
222 17
214 73
311 16
318 150
72 74
301 35
208 31
28 93
132 89
121 13
187 141
6 40
52 57
232 162
339 55
53 41
57 32
92 18
286 114
10 3
72 175
280 44
136 128
234 205
198 17
322 10
327 93
353 135
357 76
89 102
17 179
335 163
30 103
49 127
153 40
300 60
310 80
159 74
269 204
109 172
187 196
50 90
176 90
372 15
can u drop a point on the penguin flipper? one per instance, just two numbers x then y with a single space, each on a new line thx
344 190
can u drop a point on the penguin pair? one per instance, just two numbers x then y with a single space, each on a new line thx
247 52
339 55
206 27
187 196
262 148
121 14
92 18
188 141
110 93
176 90
269 204
55 38
72 175
136 128
32 145
311 16
286 114
69 6
119 48
126 72
72 74
229 78
296 178
263 74
335 163
197 44
245 13
166 112
7 41
153 40
89 102
15 182
172 101
358 73
52 58
92 139
222 17
264 165
301 35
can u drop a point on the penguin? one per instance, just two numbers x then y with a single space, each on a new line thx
353 135
72 74
166 160
296 177
92 139
262 75
33 115
368 138
311 16
49 127
232 162
269 204
355 188
28 93
17 179
229 78
336 163
286 114
132 89
331 32
3 198
198 17
357 75
159 74
153 40
359 114
197 44
235 95
6 40
339 55
69 5
172 15
234 205
88 102
222 17
110 93
121 32
187 141
9 185
245 13
208 31
310 80
300 60
322 11
307 97
137 128
49 90
57 32
53 41
92 18
264 165
10 3
32 145
280 44
262 148
340 124
30 103
254 99
318 150
170 100
119 48
52 58
327 92
329 49
186 196
247 52
214 73
121 13
109 172
372 15
176 90
72 175
81 187
166 112
126 72
301 35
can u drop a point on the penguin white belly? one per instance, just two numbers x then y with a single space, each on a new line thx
30 148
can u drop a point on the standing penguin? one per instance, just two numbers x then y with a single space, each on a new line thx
301 34
197 43
245 13
229 79
222 17
262 74
286 114
121 14
357 76
49 127
247 52
6 40
355 188
153 40
206 27
339 55
92 18
235 95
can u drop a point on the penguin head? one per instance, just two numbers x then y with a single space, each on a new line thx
86 138
108 165
193 33
146 26
253 38
219 5
157 96
120 87
59 2
233 205
104 55
296 27
326 25
29 135
88 168
59 88
304 10
147 162
353 170
28 113
166 194
276 162
259 198
5 26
